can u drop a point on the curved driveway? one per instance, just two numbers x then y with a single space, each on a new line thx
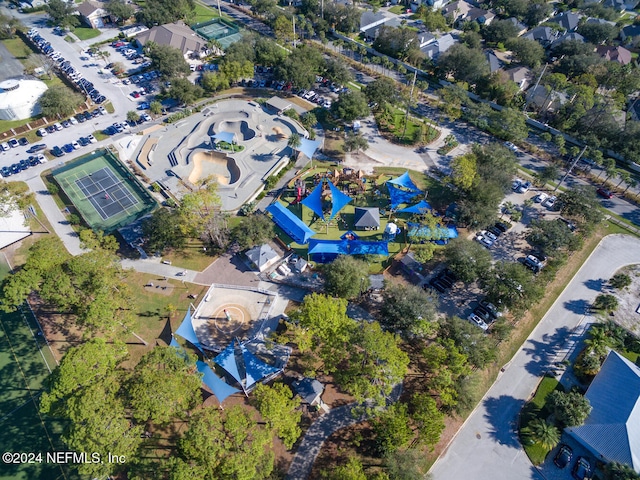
487 445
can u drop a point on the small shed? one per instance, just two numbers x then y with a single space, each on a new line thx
367 218
310 390
262 257
300 264
279 105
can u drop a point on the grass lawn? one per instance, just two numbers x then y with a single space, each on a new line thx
18 48
416 131
398 9
537 408
191 257
203 13
86 33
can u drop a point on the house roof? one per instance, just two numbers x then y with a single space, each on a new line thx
621 4
518 74
309 389
517 23
176 35
367 217
88 7
369 19
445 42
540 34
566 37
600 21
262 255
612 430
494 62
630 31
567 20
614 54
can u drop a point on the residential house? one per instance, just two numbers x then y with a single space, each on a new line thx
369 20
521 76
567 20
93 14
629 33
566 37
611 432
601 21
494 62
543 100
413 268
462 11
372 33
614 54
434 4
310 391
634 109
521 26
176 35
435 49
621 5
543 35
263 256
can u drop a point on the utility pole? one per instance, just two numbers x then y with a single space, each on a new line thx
526 103
406 117
294 30
575 162
219 11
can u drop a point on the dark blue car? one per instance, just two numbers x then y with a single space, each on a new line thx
67 147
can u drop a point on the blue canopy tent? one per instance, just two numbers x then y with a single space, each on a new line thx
323 251
308 147
174 343
227 360
420 207
223 137
255 368
219 387
292 225
441 236
405 181
338 200
314 201
362 247
186 331
399 196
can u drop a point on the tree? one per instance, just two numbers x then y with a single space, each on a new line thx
463 63
382 90
300 67
363 377
571 409
509 124
163 230
469 339
620 281
500 88
552 236
62 13
133 116
164 385
59 101
427 418
513 286
352 470
409 310
308 120
468 260
283 29
433 20
167 60
606 302
397 42
423 252
8 26
160 12
228 444
527 52
355 142
155 107
544 433
294 141
598 33
350 106
391 429
445 367
337 72
279 408
184 91
346 277
120 10
464 171
619 471
408 464
548 174
253 230
202 217
580 202
499 31
452 97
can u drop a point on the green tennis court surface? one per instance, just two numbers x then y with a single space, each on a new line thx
24 366
103 191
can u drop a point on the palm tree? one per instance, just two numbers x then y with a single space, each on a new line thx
544 433
632 183
294 142
624 176
608 164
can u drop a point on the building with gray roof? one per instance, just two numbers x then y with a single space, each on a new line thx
612 430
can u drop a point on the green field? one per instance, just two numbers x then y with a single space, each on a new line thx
86 33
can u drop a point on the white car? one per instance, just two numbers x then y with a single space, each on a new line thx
75 145
511 146
42 132
73 120
516 184
549 202
489 235
478 322
486 241
91 138
5 147
541 197
58 126
524 187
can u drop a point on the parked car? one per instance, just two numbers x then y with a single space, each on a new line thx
541 197
23 141
516 184
478 322
604 193
563 457
582 469
533 263
486 241
503 227
37 148
511 146
91 138
5 171
549 202
13 143
67 147
491 308
524 187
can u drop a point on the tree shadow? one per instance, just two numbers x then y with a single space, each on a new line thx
596 284
544 352
240 265
579 307
262 157
502 414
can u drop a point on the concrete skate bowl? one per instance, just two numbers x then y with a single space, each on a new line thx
217 164
240 128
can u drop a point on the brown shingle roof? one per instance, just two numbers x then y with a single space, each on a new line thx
176 35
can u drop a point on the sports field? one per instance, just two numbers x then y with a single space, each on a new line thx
224 32
25 362
103 191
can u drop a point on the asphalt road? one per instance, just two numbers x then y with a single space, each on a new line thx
487 445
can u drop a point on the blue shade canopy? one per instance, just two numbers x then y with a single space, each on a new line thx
308 147
185 330
227 360
292 225
219 387
255 368
178 347
361 247
405 181
420 207
324 251
314 201
426 233
338 200
333 247
399 196
224 136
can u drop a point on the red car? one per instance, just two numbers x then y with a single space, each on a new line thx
117 44
135 94
604 193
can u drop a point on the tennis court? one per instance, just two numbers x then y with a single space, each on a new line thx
25 362
103 191
218 29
